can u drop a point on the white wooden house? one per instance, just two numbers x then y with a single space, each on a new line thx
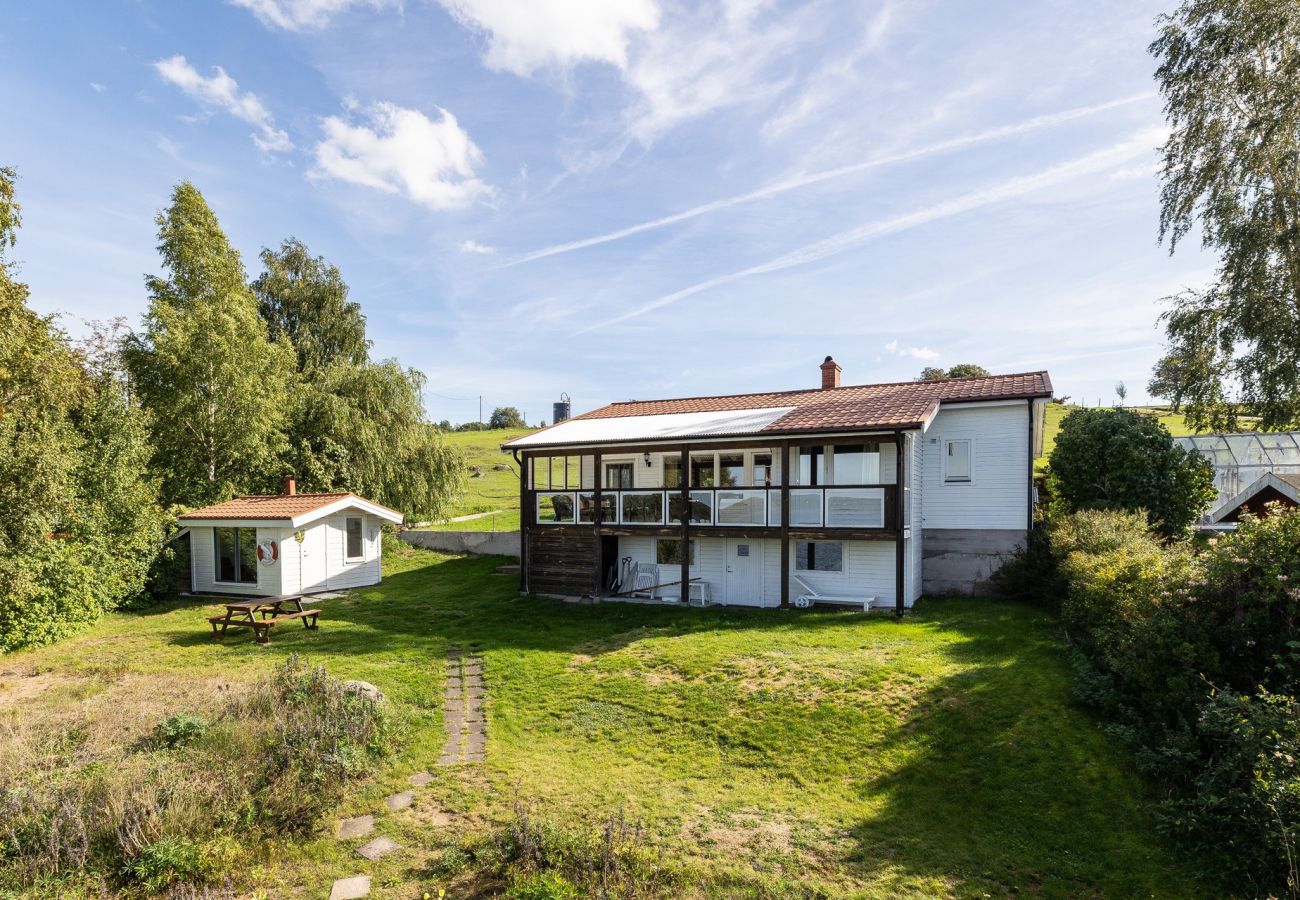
290 543
869 494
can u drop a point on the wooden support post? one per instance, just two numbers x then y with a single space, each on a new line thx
785 524
597 517
686 525
525 517
899 483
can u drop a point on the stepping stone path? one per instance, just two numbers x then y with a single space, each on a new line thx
466 743
351 888
379 847
356 827
463 709
400 801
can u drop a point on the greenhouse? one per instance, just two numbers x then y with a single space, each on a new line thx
1241 459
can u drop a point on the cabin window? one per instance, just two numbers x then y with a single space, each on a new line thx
236 555
762 470
856 464
956 460
355 548
668 552
819 556
618 476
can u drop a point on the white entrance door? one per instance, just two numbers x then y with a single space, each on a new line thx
315 562
744 575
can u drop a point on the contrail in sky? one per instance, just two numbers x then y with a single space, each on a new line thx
1091 163
798 181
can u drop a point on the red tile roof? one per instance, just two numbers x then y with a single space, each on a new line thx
273 506
894 405
903 404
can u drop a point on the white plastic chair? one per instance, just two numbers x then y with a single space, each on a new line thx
811 595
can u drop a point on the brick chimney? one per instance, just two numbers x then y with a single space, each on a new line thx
290 486
830 374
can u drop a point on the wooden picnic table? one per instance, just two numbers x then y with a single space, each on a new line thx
243 613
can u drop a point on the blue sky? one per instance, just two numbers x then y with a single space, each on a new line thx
628 199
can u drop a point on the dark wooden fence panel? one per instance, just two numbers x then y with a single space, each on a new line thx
562 560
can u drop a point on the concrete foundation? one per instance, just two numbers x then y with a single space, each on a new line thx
961 560
482 543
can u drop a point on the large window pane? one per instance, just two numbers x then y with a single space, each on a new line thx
355 548
740 507
819 556
774 507
762 470
618 476
668 552
672 471
957 461
855 508
857 464
811 468
247 539
644 509
702 471
555 508
587 507
227 550
805 507
731 470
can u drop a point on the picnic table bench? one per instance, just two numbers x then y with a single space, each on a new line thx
243 613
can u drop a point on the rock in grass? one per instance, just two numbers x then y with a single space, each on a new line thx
363 689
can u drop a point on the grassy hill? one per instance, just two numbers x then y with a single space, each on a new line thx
490 488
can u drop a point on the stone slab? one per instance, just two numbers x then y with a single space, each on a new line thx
378 848
420 779
351 888
355 827
400 801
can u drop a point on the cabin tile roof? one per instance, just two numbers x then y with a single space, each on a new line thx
272 506
905 404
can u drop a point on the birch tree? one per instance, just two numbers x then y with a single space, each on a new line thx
215 387
1229 71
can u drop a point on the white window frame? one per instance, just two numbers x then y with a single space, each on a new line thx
361 522
970 460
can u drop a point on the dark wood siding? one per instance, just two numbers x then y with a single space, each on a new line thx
562 560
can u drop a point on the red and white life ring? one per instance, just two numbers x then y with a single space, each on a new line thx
268 552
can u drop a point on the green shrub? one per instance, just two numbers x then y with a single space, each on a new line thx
179 730
1032 574
1120 459
165 862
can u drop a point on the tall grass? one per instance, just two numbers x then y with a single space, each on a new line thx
176 810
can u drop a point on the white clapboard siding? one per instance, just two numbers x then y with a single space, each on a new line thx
915 542
345 573
203 554
868 572
997 494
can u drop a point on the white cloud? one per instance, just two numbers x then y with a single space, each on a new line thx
298 15
1105 160
470 246
539 34
922 353
813 178
402 151
220 91
97 87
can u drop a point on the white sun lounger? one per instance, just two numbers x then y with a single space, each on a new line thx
810 595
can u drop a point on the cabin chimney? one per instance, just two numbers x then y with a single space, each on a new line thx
830 374
290 486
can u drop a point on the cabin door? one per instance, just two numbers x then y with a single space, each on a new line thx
743 585
314 558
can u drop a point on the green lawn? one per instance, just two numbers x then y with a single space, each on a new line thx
768 753
488 488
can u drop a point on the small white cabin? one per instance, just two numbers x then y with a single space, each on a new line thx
290 543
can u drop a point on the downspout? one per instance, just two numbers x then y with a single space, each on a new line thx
898 523
1029 497
523 523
